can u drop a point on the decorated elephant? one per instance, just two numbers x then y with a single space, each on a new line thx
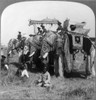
34 44
11 46
15 45
79 51
52 52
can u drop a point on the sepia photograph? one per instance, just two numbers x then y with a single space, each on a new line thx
48 50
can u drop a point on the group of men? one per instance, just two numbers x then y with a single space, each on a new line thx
42 29
25 61
44 79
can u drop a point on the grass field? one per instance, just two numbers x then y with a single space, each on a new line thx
13 87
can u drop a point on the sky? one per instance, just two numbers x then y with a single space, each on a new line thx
15 17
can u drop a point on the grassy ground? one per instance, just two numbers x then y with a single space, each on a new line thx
13 87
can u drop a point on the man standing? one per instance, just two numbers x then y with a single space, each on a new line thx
39 30
59 29
19 36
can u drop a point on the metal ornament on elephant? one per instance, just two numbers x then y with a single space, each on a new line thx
77 41
45 48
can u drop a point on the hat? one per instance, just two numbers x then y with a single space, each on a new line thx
38 28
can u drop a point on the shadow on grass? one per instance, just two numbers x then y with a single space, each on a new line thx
75 75
30 69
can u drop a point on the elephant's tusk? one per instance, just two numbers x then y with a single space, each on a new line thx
31 54
10 52
46 54
6 66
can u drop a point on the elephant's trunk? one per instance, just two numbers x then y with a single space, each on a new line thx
60 64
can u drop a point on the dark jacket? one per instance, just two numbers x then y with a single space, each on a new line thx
19 37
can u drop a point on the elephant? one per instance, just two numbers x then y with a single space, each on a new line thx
14 44
11 45
79 54
34 44
52 53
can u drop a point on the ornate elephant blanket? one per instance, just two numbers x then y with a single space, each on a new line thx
79 49
48 42
50 37
35 43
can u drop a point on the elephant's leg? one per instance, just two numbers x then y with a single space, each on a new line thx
56 68
60 64
93 58
68 63
93 71
88 67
